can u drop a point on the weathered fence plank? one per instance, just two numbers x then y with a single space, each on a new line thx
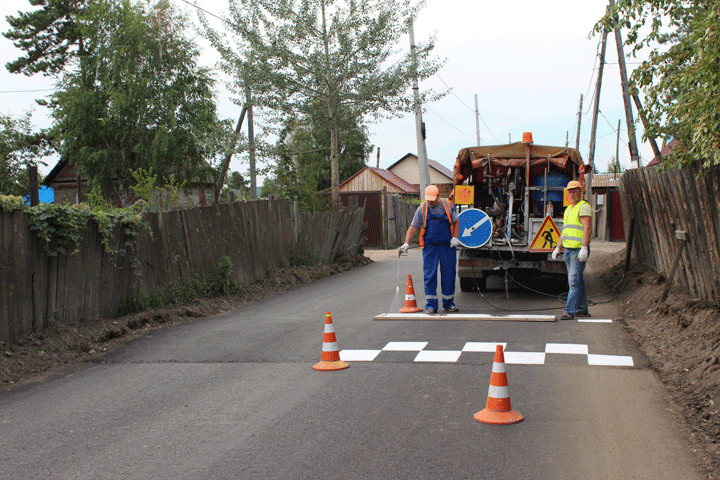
257 236
662 202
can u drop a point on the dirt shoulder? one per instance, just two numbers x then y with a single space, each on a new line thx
680 337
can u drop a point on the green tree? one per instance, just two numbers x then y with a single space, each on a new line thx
19 148
330 56
680 78
303 158
236 181
139 101
51 36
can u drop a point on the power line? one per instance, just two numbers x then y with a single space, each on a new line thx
451 125
205 11
28 91
468 107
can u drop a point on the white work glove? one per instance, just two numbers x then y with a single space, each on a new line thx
454 242
556 252
582 256
404 248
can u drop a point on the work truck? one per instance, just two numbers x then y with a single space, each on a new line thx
511 200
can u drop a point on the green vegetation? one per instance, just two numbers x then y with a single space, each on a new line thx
324 59
680 78
219 282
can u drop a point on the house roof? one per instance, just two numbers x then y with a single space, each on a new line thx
438 167
665 150
62 163
606 180
389 177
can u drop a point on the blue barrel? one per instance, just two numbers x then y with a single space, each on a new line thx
553 180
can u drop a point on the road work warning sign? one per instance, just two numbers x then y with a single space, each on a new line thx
547 238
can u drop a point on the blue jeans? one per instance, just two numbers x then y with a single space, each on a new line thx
577 297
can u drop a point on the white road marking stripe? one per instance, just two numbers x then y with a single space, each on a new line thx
566 348
488 347
525 358
610 360
438 356
358 355
405 346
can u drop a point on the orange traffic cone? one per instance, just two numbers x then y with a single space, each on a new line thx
410 303
498 410
330 359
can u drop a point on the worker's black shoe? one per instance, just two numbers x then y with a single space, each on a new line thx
566 316
430 310
451 308
582 315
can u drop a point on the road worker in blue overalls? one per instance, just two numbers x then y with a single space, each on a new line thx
438 224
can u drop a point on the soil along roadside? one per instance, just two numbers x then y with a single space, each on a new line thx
681 338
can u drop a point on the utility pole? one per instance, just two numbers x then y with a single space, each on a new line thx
423 169
641 114
477 122
596 102
617 152
632 143
577 138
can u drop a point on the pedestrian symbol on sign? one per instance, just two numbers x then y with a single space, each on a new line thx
547 238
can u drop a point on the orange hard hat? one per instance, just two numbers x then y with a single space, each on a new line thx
574 184
431 192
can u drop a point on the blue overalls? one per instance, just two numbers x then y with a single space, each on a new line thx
437 250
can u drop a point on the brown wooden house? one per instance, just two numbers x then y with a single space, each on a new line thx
69 185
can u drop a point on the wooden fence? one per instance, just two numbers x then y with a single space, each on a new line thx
181 244
661 203
399 215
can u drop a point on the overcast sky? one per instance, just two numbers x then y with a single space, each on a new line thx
528 62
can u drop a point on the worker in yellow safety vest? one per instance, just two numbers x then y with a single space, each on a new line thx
575 239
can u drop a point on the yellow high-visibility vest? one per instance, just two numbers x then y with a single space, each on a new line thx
572 232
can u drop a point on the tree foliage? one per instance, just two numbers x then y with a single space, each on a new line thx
139 101
51 36
19 148
681 77
328 56
303 158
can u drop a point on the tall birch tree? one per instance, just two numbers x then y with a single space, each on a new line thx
338 55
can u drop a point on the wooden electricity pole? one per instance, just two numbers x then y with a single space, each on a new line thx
596 102
632 143
577 137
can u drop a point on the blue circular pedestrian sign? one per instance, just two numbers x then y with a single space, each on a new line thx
475 228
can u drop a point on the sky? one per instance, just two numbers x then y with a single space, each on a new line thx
528 62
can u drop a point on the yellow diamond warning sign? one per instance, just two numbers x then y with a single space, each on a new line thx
547 238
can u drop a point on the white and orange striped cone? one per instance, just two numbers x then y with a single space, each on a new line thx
330 359
410 302
498 410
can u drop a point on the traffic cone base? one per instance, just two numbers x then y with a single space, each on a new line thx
325 366
410 302
498 410
330 358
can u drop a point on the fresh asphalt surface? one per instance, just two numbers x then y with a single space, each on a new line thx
234 397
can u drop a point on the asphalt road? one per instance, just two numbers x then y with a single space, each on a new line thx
234 396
